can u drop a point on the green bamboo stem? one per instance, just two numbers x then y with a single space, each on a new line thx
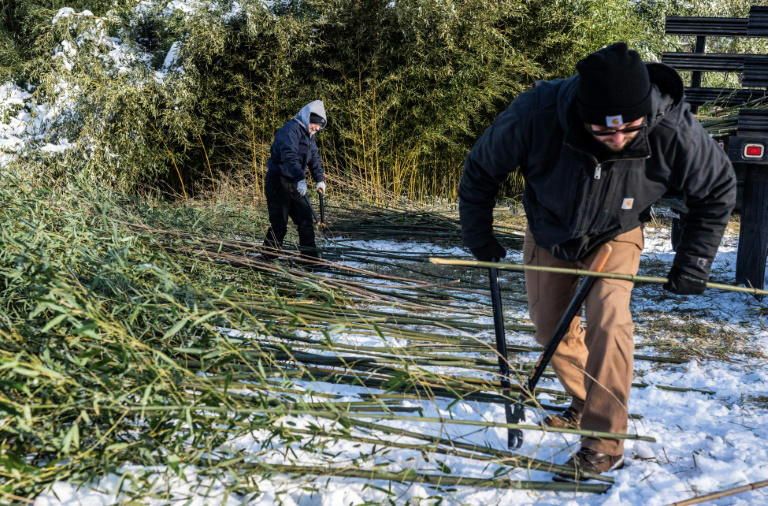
436 447
386 366
429 390
392 354
335 416
410 476
504 455
674 389
579 272
724 493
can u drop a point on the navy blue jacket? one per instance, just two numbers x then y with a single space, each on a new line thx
294 149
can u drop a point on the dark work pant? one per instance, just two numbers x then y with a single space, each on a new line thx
283 201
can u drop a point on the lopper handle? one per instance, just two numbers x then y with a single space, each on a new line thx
601 258
311 209
322 208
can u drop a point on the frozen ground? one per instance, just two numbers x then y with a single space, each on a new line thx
704 442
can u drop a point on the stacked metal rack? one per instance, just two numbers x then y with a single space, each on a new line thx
748 143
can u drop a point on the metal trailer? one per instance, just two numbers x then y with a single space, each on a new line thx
748 144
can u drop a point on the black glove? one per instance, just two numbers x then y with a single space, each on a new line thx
491 251
684 283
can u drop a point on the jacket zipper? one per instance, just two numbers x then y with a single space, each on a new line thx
599 164
598 173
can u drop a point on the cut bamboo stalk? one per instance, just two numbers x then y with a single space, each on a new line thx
505 455
435 447
410 476
384 416
580 272
724 493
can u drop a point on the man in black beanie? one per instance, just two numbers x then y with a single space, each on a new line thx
596 150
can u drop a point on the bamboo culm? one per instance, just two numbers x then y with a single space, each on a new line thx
580 272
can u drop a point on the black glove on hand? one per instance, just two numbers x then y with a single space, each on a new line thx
683 283
492 250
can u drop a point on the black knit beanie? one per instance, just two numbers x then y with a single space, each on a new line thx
317 119
614 87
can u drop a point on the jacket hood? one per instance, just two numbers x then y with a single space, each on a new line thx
667 93
316 107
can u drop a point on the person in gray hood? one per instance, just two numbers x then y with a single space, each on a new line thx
285 186
596 150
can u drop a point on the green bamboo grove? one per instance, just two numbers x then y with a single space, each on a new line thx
409 85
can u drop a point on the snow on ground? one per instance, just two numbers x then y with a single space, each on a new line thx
704 442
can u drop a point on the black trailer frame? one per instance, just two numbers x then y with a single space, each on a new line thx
748 147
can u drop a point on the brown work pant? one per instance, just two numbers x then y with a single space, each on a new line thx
594 366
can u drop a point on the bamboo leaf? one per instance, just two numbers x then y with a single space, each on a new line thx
176 328
87 330
72 438
173 461
48 326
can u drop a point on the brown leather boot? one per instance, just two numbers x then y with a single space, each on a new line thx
589 461
568 419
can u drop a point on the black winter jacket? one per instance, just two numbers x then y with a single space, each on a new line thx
578 196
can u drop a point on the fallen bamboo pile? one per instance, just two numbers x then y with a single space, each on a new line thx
133 334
